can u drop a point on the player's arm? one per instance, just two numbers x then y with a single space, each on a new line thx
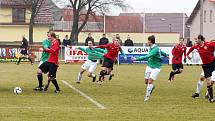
82 49
190 50
212 44
45 44
164 54
100 50
152 53
53 49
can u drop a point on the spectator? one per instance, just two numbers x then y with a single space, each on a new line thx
128 42
118 37
89 38
24 51
66 41
103 40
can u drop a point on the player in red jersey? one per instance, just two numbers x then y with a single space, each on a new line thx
206 52
109 58
177 52
52 64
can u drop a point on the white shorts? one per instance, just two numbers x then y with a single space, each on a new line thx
151 73
89 66
212 77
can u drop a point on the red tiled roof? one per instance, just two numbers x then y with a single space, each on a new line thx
43 17
131 24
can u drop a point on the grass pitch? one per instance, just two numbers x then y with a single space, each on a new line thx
122 97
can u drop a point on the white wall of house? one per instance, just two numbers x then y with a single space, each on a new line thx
209 22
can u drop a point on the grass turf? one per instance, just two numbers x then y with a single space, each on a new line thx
123 96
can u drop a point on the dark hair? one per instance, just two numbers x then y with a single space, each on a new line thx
66 36
152 39
59 41
53 35
201 37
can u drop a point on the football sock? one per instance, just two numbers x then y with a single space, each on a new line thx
102 74
171 74
149 90
79 77
40 79
30 60
55 84
210 91
177 72
199 86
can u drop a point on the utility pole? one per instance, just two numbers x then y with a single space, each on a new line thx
201 16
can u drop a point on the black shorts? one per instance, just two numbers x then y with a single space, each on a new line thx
177 66
108 63
49 67
208 69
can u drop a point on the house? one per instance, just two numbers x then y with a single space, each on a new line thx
208 20
15 18
163 22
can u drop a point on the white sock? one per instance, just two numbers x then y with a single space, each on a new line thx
93 75
206 93
79 77
199 86
149 90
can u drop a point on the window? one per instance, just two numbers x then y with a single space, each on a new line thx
18 15
205 16
211 16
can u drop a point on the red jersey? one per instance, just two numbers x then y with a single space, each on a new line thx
177 53
54 51
112 51
206 51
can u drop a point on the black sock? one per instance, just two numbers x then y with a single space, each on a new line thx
55 84
40 79
171 75
210 91
19 60
102 74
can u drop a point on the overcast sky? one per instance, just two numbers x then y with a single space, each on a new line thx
158 6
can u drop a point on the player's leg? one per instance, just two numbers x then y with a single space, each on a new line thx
19 60
199 86
78 81
102 74
208 70
52 77
151 75
30 60
172 73
91 70
43 68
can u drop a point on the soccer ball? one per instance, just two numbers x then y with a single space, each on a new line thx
17 90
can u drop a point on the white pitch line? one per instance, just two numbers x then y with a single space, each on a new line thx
84 95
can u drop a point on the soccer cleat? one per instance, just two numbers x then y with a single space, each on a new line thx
146 98
206 96
57 91
111 76
94 78
38 88
78 82
195 95
211 100
46 88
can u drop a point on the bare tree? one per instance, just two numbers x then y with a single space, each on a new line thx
34 6
92 7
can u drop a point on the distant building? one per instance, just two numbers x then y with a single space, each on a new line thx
208 20
15 18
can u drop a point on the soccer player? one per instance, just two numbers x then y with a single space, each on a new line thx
45 55
109 58
94 54
206 50
153 66
52 64
177 52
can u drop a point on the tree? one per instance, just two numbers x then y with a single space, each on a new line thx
92 7
34 6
